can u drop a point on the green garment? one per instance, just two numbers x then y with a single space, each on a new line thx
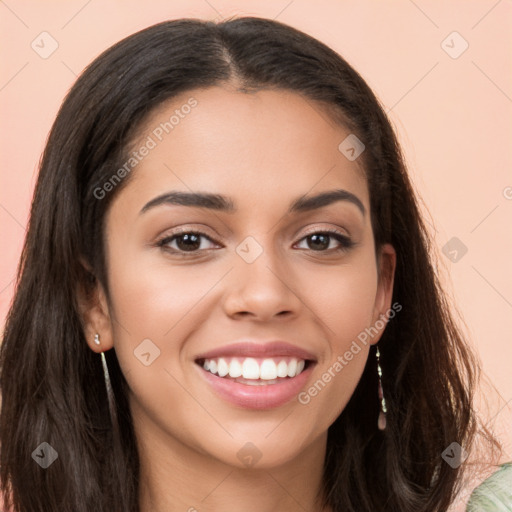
495 493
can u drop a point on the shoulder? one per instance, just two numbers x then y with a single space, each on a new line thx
477 477
494 494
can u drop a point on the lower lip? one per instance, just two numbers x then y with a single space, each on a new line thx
260 397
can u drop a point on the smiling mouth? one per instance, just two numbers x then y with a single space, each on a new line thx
255 371
258 383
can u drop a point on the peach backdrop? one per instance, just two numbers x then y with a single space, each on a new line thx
442 70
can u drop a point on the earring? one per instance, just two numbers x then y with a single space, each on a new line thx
381 423
117 443
108 384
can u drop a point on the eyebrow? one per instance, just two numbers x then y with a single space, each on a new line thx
222 203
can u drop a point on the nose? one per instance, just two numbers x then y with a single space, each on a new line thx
263 289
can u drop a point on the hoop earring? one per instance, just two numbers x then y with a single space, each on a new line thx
381 423
108 384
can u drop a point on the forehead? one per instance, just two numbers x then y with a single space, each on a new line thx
259 148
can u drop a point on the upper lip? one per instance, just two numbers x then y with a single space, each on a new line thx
258 349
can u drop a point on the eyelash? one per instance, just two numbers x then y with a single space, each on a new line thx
345 242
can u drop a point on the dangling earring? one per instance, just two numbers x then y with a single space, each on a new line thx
108 385
381 423
117 444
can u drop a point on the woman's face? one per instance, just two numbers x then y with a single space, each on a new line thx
261 270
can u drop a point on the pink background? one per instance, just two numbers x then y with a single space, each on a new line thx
453 117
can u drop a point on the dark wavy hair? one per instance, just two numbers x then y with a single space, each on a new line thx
51 381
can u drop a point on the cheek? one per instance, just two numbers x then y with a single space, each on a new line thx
159 303
343 298
344 302
151 299
157 308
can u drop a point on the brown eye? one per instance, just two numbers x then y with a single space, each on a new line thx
320 241
186 241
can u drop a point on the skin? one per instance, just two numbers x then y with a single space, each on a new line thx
263 150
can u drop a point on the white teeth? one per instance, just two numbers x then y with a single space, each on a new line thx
268 370
249 368
282 369
235 369
222 368
292 368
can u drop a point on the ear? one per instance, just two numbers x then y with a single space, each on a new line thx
386 264
94 311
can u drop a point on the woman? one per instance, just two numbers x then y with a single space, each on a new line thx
223 218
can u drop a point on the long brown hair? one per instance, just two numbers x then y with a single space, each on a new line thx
52 383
